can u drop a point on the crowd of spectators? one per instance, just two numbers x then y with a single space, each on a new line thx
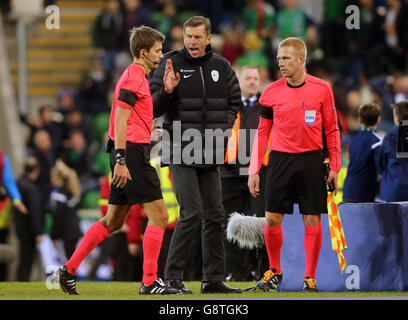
363 65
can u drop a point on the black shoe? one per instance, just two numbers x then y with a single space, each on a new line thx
158 287
309 285
179 284
66 280
270 281
217 286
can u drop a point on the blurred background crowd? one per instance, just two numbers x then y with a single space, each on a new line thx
369 64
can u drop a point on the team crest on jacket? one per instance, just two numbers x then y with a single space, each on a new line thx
310 116
215 75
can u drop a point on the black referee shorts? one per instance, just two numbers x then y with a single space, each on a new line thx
295 178
145 183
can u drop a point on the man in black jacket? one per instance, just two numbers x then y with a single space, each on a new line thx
240 264
200 102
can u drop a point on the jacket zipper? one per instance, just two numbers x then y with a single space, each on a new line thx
202 79
205 98
204 112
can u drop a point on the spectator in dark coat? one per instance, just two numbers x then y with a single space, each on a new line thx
93 90
402 34
74 120
136 15
45 120
79 156
29 227
108 33
64 202
367 45
42 151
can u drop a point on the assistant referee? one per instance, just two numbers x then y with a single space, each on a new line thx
298 105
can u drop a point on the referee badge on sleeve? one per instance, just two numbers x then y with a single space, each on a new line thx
310 116
215 75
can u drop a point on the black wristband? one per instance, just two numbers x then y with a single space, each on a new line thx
120 156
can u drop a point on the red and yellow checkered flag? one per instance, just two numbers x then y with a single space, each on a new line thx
336 230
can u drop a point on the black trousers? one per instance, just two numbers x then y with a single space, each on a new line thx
27 253
164 251
198 192
239 263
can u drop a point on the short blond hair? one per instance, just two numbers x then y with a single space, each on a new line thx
297 44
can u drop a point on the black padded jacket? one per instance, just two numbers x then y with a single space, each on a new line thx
207 99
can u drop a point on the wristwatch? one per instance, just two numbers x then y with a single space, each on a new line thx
120 156
121 160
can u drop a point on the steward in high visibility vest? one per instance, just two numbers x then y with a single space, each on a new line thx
231 155
169 196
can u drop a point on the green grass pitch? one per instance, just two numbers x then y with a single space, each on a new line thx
129 290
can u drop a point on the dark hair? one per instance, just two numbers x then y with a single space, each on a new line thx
369 114
43 108
198 21
75 110
143 38
76 131
31 163
401 109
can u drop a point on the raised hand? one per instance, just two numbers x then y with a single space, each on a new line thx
170 80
